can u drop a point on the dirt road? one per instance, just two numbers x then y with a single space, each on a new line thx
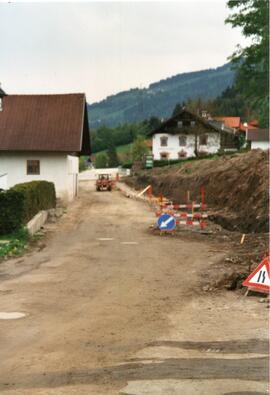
113 309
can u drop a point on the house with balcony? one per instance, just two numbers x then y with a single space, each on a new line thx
187 135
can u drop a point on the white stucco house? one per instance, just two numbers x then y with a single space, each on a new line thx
259 138
41 138
187 135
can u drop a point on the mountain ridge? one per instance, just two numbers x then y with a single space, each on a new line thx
160 97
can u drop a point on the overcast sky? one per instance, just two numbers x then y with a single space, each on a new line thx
102 48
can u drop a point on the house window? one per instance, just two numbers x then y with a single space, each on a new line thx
164 155
204 113
180 124
203 139
182 154
163 141
192 124
182 141
33 167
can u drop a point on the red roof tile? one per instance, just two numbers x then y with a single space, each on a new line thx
254 122
230 122
243 128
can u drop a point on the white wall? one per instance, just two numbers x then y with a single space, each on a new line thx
58 168
264 145
72 176
92 174
173 147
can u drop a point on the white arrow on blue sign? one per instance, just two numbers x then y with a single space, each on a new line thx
166 222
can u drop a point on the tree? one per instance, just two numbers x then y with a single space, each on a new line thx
229 103
139 148
101 160
153 123
252 62
177 109
113 160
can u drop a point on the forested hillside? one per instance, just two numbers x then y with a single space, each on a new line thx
159 98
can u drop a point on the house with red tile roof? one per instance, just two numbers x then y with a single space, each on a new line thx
188 135
235 123
230 122
244 127
41 138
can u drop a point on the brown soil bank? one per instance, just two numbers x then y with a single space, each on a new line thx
236 187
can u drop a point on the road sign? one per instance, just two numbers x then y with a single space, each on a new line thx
166 222
149 161
260 278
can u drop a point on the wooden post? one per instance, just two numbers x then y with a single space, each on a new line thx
150 192
242 238
203 194
202 208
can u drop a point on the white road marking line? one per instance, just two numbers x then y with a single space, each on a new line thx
129 242
105 238
10 316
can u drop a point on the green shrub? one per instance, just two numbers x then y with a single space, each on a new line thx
101 161
11 210
139 148
38 195
162 163
15 244
127 165
82 164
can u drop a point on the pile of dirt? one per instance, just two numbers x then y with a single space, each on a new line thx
236 187
240 260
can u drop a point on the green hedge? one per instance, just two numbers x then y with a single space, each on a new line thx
127 165
22 202
162 163
11 211
38 195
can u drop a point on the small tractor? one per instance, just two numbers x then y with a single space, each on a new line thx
104 182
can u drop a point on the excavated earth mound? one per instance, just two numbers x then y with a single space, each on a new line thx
236 187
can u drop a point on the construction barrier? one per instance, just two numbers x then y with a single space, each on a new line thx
190 213
187 217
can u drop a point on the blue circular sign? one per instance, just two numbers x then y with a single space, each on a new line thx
166 222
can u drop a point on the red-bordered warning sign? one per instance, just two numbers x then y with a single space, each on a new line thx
260 278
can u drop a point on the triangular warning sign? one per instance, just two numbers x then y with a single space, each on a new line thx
260 277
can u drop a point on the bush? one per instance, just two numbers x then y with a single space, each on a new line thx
15 244
82 164
139 148
37 195
11 210
162 163
127 165
20 203
101 160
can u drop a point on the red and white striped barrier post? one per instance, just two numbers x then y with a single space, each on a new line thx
190 216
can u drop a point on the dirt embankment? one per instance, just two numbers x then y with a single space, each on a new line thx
236 188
